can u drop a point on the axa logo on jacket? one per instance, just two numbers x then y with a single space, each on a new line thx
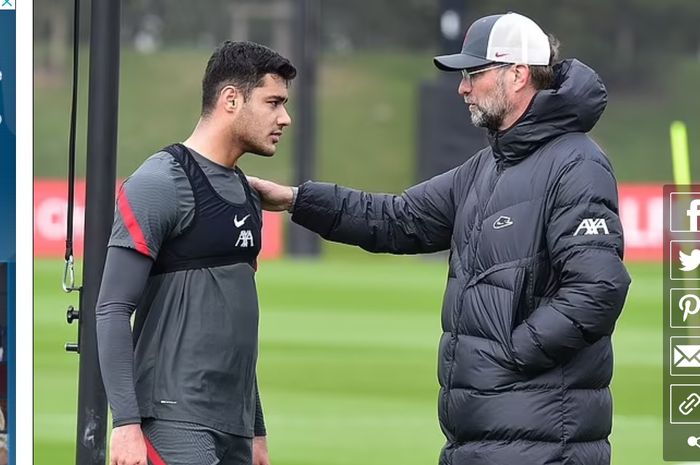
592 227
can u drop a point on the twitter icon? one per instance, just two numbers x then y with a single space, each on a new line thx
689 262
685 260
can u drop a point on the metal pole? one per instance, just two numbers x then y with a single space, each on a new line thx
99 208
303 242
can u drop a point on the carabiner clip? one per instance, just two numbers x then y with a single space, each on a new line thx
69 272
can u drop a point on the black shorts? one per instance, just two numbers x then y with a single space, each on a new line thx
181 443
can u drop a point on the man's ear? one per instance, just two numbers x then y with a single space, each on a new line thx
229 98
521 76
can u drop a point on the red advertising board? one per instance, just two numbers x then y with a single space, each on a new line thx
50 211
641 211
642 215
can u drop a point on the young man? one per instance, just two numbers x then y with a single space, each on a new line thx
183 252
536 280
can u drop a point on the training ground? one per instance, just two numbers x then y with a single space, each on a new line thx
347 367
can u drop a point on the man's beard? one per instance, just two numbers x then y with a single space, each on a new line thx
491 112
259 148
253 142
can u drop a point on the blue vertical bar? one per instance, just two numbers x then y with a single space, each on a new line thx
11 410
7 134
8 146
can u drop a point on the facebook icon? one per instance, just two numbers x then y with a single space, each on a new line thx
684 210
693 213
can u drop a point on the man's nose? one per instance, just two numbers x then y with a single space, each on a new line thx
464 88
284 119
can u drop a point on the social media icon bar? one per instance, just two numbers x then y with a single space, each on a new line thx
685 404
684 211
684 259
681 329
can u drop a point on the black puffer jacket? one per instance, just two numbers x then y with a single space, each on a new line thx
535 282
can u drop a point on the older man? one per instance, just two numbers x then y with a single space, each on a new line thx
536 280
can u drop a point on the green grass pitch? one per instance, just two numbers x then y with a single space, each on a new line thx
347 367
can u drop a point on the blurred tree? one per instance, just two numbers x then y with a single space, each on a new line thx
409 24
52 21
625 40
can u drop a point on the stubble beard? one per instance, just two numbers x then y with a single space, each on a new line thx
259 148
253 142
492 111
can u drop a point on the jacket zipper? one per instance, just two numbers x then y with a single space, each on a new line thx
470 260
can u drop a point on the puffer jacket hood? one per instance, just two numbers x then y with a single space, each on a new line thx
574 104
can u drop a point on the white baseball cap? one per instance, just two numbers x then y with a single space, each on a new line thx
506 38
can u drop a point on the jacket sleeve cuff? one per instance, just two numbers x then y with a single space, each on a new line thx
295 194
126 421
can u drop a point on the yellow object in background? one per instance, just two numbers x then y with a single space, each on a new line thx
679 153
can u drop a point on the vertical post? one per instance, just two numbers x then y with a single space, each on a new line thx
306 37
100 182
452 27
444 136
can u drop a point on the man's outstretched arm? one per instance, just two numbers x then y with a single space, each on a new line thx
418 221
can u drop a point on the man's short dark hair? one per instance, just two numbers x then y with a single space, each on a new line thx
244 66
543 76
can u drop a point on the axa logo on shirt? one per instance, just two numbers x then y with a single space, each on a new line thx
592 226
245 239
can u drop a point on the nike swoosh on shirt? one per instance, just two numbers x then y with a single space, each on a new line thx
241 222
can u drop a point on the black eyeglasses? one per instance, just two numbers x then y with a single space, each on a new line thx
467 75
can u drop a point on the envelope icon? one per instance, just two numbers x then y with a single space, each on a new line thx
686 356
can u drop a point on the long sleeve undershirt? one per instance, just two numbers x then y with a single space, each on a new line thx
119 294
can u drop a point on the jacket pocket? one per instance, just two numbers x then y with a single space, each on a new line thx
520 303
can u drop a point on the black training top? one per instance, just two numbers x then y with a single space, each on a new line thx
195 331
